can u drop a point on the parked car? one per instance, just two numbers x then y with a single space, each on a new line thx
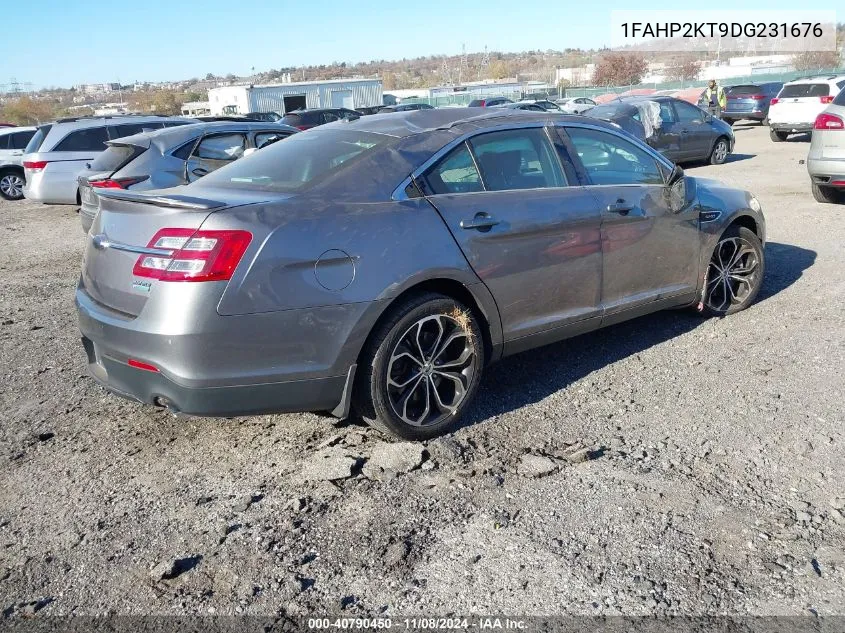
380 265
687 133
170 157
487 103
4 124
749 101
575 105
268 117
13 141
406 107
520 105
59 151
826 160
306 119
545 104
370 110
799 102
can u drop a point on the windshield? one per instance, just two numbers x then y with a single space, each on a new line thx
744 90
297 162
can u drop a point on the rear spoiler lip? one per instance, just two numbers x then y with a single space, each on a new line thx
175 201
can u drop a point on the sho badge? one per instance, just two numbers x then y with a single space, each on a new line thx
141 286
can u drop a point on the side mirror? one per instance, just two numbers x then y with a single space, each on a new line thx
676 190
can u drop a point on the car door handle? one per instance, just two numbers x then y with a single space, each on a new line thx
481 222
620 206
199 171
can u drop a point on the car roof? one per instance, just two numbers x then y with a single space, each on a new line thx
411 122
168 137
814 79
12 130
93 121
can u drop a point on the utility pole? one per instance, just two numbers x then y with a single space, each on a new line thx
485 61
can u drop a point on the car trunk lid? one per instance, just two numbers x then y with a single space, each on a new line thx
121 233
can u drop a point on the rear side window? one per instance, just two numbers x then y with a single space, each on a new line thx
517 159
300 161
475 103
92 139
129 129
840 98
184 151
19 140
268 138
38 139
115 157
454 173
292 119
4 141
804 90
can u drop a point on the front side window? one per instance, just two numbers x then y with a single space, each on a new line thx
688 113
611 160
517 159
221 147
92 139
454 173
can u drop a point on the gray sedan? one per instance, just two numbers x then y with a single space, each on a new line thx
173 156
377 266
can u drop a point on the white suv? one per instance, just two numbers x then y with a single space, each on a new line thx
59 151
799 102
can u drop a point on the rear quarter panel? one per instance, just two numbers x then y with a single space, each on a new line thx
309 252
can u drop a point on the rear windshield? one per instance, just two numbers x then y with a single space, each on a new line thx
35 142
804 90
292 119
745 90
612 110
297 163
115 157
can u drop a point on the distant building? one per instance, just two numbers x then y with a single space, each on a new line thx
196 108
284 97
577 75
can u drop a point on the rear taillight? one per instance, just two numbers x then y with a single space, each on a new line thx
483 103
827 121
189 255
774 101
116 183
35 165
302 127
827 99
759 97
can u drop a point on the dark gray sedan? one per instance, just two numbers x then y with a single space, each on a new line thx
379 265
686 133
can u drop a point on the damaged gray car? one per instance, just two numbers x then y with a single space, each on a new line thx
376 266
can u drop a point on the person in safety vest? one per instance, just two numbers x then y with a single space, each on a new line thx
715 99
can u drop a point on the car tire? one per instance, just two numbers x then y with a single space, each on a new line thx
719 153
827 195
739 252
11 185
777 137
399 389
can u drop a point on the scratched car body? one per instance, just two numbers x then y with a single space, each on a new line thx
377 266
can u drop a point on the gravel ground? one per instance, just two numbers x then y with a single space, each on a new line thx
670 465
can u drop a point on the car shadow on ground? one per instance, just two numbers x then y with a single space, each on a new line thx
531 376
733 158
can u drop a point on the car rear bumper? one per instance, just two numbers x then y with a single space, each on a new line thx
148 387
824 171
791 128
50 187
294 360
757 115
